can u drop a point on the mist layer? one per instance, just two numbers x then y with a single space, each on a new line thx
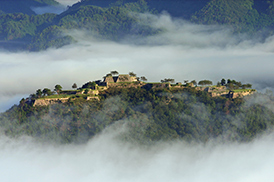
106 159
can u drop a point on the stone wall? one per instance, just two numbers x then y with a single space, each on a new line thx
234 95
45 102
217 94
125 85
108 79
93 98
120 78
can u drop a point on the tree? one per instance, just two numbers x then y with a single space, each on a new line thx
223 82
89 85
22 101
248 85
205 82
171 80
239 84
107 75
132 74
194 82
39 93
32 96
114 73
230 86
47 92
144 79
58 88
74 86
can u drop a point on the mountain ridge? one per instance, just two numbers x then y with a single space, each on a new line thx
112 20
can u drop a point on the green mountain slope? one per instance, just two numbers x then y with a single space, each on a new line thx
147 115
178 8
112 23
114 20
241 15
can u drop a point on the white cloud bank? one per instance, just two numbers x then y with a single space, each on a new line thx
67 2
106 159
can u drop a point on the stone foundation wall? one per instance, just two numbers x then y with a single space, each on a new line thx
45 102
93 98
234 95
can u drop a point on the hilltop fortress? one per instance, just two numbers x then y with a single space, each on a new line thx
91 90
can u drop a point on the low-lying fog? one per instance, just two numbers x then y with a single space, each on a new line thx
67 2
49 9
106 159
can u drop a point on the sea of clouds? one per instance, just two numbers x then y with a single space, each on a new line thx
105 158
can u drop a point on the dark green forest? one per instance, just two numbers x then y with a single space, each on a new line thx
114 20
148 116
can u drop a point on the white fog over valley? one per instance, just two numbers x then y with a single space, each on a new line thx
67 2
184 52
105 159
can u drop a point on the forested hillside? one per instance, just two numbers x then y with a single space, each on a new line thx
241 15
112 23
115 20
147 116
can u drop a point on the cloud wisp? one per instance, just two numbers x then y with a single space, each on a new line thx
49 9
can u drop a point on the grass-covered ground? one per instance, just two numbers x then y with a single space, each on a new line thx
243 90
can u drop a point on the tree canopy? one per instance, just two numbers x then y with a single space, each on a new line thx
116 20
205 82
